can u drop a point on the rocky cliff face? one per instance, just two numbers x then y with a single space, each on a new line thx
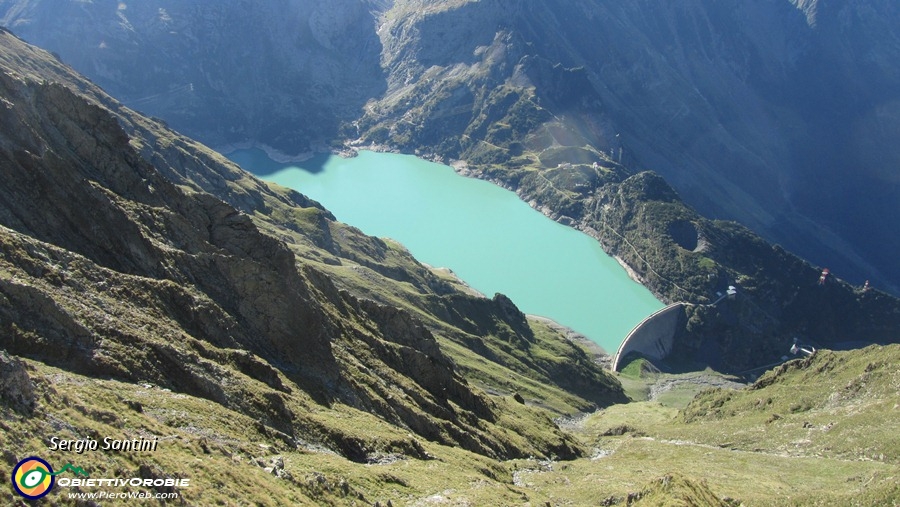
117 262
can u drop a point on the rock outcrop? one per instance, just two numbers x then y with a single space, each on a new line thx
16 388
753 113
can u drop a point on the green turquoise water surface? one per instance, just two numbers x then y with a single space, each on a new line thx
484 233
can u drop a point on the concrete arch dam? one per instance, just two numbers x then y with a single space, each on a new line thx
653 337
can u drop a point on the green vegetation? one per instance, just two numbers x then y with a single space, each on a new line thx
637 368
837 404
818 431
834 444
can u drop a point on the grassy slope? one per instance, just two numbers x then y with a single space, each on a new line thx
224 452
725 448
817 431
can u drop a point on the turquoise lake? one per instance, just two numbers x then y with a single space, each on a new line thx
488 236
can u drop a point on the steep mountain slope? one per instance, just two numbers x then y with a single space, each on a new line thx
690 258
778 114
563 119
544 130
117 264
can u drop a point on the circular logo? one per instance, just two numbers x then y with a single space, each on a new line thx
32 478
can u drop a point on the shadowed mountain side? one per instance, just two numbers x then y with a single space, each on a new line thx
554 133
283 73
778 295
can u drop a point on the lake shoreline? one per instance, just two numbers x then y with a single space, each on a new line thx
486 234
594 349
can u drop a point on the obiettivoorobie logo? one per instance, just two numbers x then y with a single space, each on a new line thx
33 477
